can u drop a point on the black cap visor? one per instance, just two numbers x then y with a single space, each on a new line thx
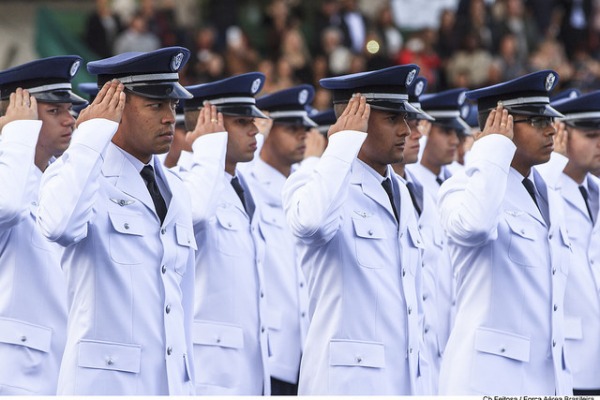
534 109
306 122
160 90
60 96
458 124
397 107
241 110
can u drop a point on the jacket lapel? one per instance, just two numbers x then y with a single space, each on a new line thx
594 197
572 195
170 181
371 187
544 200
519 198
250 204
125 176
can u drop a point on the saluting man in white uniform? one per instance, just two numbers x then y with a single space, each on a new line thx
510 250
360 245
36 100
579 189
230 312
126 226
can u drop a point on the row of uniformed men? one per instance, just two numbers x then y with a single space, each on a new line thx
154 296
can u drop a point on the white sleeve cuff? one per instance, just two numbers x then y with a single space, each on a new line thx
95 133
204 146
496 149
25 132
345 145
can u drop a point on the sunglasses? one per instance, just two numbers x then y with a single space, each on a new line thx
537 122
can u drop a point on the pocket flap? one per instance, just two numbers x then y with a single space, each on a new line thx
129 224
356 353
438 237
415 237
368 228
214 334
505 344
272 216
520 227
573 329
185 236
228 220
110 355
25 334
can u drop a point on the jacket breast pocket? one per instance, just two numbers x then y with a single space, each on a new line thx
355 366
522 248
370 242
220 346
127 238
186 245
273 216
229 229
24 358
496 351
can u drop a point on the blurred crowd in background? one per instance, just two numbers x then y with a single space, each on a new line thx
457 43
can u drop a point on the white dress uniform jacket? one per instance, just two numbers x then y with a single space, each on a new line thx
130 280
230 331
364 274
287 292
511 271
33 292
582 295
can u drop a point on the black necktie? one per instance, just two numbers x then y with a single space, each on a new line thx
411 190
235 182
387 186
439 180
531 190
584 194
159 202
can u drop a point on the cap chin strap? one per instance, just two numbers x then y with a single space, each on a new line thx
526 100
50 88
233 100
444 113
288 114
148 78
385 96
